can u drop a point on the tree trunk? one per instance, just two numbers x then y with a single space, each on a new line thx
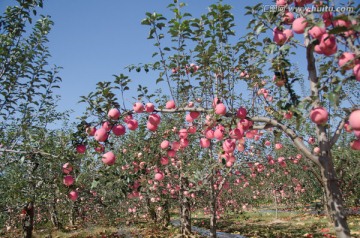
334 199
213 208
53 214
166 216
185 209
150 210
28 221
74 213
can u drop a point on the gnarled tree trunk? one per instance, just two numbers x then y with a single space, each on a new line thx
53 214
213 208
334 199
28 220
184 209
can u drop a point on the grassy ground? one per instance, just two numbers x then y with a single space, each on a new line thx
287 224
252 224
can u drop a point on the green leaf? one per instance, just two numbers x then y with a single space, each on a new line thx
159 80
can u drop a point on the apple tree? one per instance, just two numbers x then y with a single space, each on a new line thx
236 88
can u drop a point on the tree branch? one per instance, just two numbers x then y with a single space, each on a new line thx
298 142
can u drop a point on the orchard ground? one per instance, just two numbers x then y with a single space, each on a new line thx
256 222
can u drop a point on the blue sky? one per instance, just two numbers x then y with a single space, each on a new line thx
94 39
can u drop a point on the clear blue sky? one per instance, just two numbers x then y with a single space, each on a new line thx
94 39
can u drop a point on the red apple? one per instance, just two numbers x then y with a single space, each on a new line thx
354 120
170 104
119 130
114 114
108 158
319 115
81 149
220 109
149 107
347 60
299 25
67 168
68 180
101 135
73 195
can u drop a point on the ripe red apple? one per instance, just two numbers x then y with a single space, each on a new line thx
192 129
175 145
281 2
299 25
100 148
354 120
204 142
220 109
356 71
209 134
149 107
316 32
278 36
170 104
327 16
288 34
171 153
158 176
229 145
73 195
241 113
357 133
188 118
91 130
127 118
108 158
236 133
216 101
317 150
68 180
67 168
154 119
288 115
219 134
138 107
355 145
151 127
194 115
101 135
183 133
319 115
119 130
278 146
327 41
107 126
345 59
81 149
132 124
164 160
165 144
318 50
114 114
288 18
